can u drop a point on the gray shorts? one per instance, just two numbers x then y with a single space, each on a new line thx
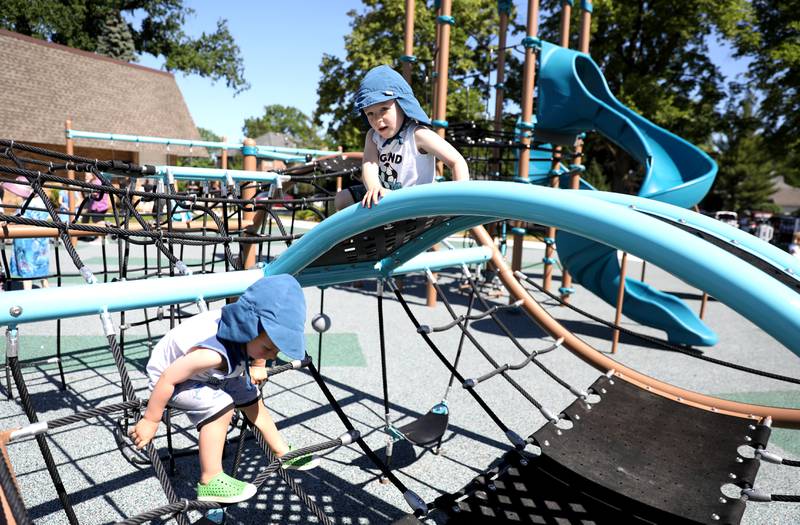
204 402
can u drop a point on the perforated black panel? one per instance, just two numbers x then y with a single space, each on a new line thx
664 454
377 243
634 457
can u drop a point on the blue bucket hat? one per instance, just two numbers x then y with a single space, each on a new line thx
383 83
275 304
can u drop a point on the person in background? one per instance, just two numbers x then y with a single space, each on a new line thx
30 258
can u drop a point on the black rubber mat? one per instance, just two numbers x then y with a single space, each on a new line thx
633 457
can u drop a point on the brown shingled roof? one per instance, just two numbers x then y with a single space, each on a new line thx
44 84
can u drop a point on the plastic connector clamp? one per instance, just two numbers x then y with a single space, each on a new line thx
439 123
445 19
532 42
411 59
566 290
527 125
549 240
548 260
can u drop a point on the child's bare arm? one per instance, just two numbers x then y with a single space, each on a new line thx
194 362
430 142
369 173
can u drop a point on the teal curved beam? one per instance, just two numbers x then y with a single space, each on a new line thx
765 301
750 243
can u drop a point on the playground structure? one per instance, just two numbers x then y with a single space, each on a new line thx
751 277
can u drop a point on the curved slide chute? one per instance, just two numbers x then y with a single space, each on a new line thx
574 98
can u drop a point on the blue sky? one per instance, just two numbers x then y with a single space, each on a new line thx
281 44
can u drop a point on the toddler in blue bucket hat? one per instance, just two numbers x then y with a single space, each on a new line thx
400 150
207 366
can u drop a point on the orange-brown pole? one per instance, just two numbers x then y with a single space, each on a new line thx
248 250
575 179
620 299
70 150
703 304
499 93
223 163
440 113
408 47
549 250
527 113
436 56
8 515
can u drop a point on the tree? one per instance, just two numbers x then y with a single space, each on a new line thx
115 39
376 38
658 64
290 121
100 26
744 181
770 36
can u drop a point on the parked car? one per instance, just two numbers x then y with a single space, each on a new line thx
728 217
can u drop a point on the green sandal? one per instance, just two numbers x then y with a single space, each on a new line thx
224 489
306 462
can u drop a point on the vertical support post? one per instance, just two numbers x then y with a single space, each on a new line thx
499 87
339 178
70 150
528 74
444 20
436 56
555 179
620 299
575 179
247 250
408 47
224 155
703 304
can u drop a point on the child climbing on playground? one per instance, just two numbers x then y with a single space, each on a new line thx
400 149
201 367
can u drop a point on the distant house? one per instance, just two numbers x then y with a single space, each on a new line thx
45 84
786 196
274 139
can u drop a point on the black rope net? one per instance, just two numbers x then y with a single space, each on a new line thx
157 227
59 201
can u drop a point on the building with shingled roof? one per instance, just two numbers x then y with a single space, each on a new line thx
46 84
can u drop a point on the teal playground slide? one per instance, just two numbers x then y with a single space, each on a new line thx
574 98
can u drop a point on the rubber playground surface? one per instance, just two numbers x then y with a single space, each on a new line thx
104 487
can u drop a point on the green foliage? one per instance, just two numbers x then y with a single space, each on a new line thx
212 161
99 26
208 135
744 181
770 36
377 38
290 121
115 39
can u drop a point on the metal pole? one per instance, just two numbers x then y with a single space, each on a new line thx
566 279
444 20
247 250
408 48
527 113
620 299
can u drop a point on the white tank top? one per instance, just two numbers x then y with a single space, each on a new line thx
400 164
200 330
